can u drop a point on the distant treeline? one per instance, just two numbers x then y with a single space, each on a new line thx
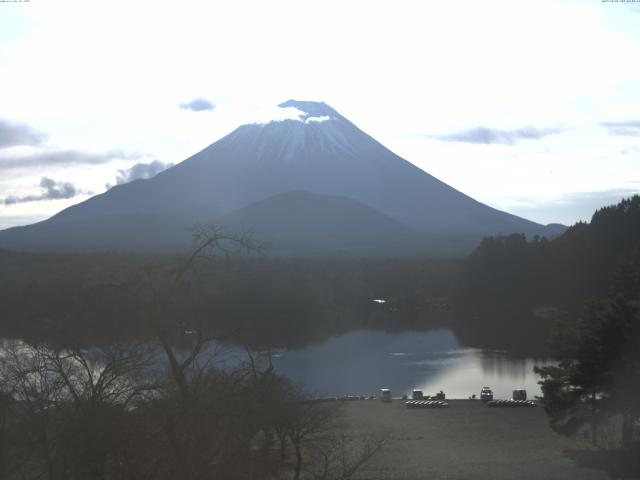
510 292
258 301
507 294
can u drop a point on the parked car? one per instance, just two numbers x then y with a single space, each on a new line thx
519 395
486 394
385 395
417 394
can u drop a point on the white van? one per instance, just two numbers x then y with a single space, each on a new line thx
385 395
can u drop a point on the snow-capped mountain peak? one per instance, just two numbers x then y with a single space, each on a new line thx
312 111
312 148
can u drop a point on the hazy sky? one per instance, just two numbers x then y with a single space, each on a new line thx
532 107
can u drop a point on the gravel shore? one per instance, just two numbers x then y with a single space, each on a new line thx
467 440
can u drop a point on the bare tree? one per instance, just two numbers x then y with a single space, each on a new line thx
308 421
204 431
340 456
166 312
70 403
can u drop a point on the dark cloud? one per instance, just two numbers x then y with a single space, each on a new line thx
44 158
14 134
140 170
485 135
52 190
198 105
629 129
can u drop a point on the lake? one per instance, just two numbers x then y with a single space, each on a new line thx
362 362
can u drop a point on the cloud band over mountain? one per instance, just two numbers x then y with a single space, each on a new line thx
141 170
44 158
53 190
488 136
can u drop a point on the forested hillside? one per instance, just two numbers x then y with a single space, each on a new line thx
263 302
510 291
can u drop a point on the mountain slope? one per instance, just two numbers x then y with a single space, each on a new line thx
303 223
322 153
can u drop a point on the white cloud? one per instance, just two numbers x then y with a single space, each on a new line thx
320 119
140 171
262 115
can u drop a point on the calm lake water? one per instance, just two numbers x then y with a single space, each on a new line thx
362 362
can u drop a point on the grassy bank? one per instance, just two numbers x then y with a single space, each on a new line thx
466 440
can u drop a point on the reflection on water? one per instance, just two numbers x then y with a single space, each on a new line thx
362 362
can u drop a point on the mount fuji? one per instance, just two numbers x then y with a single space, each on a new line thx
312 185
